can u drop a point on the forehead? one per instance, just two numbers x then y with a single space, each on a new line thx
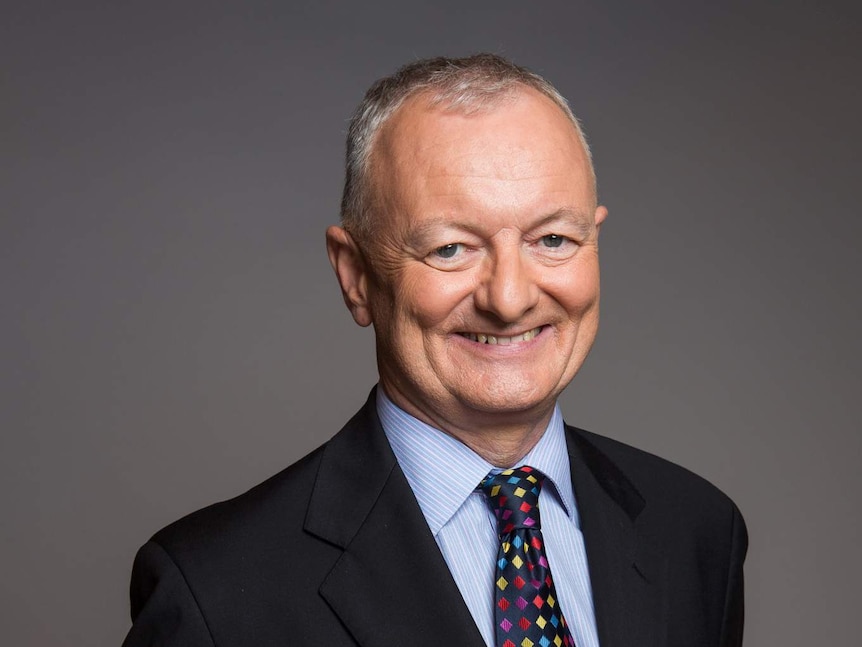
523 141
420 121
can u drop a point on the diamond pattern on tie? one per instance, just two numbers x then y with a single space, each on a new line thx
526 612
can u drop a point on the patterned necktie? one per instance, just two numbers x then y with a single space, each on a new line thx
526 611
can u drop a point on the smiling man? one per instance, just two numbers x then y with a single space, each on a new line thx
480 270
469 241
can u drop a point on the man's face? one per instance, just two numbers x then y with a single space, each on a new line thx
482 276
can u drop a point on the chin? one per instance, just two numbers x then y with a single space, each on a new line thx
509 399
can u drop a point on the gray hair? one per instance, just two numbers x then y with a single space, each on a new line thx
467 84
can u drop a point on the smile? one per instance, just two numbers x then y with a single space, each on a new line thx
501 340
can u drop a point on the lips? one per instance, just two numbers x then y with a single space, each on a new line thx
501 340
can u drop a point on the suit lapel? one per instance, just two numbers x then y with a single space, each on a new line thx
625 571
391 585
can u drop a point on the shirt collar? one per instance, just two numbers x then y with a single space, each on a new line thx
443 472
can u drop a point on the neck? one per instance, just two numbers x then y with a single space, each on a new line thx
503 447
501 438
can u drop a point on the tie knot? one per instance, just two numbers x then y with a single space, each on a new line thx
514 497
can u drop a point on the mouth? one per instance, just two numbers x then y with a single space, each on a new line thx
501 340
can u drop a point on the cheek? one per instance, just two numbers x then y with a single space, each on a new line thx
577 291
431 297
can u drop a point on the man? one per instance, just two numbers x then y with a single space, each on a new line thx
469 240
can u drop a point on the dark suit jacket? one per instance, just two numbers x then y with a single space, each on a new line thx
335 551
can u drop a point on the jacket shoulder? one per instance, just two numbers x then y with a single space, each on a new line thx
272 509
666 488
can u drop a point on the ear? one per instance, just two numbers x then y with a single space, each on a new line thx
601 214
351 271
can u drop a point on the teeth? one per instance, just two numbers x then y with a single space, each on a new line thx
499 339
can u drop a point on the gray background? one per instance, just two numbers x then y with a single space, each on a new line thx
171 332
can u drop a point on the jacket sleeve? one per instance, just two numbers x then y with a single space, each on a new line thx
164 610
734 613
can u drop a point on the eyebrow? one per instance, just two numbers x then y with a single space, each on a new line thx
580 219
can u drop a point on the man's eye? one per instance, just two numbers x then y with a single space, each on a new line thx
553 240
449 251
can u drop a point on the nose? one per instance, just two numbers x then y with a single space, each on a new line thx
508 289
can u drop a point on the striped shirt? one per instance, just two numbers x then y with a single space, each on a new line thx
465 528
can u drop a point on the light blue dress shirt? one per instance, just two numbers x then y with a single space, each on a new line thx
464 526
